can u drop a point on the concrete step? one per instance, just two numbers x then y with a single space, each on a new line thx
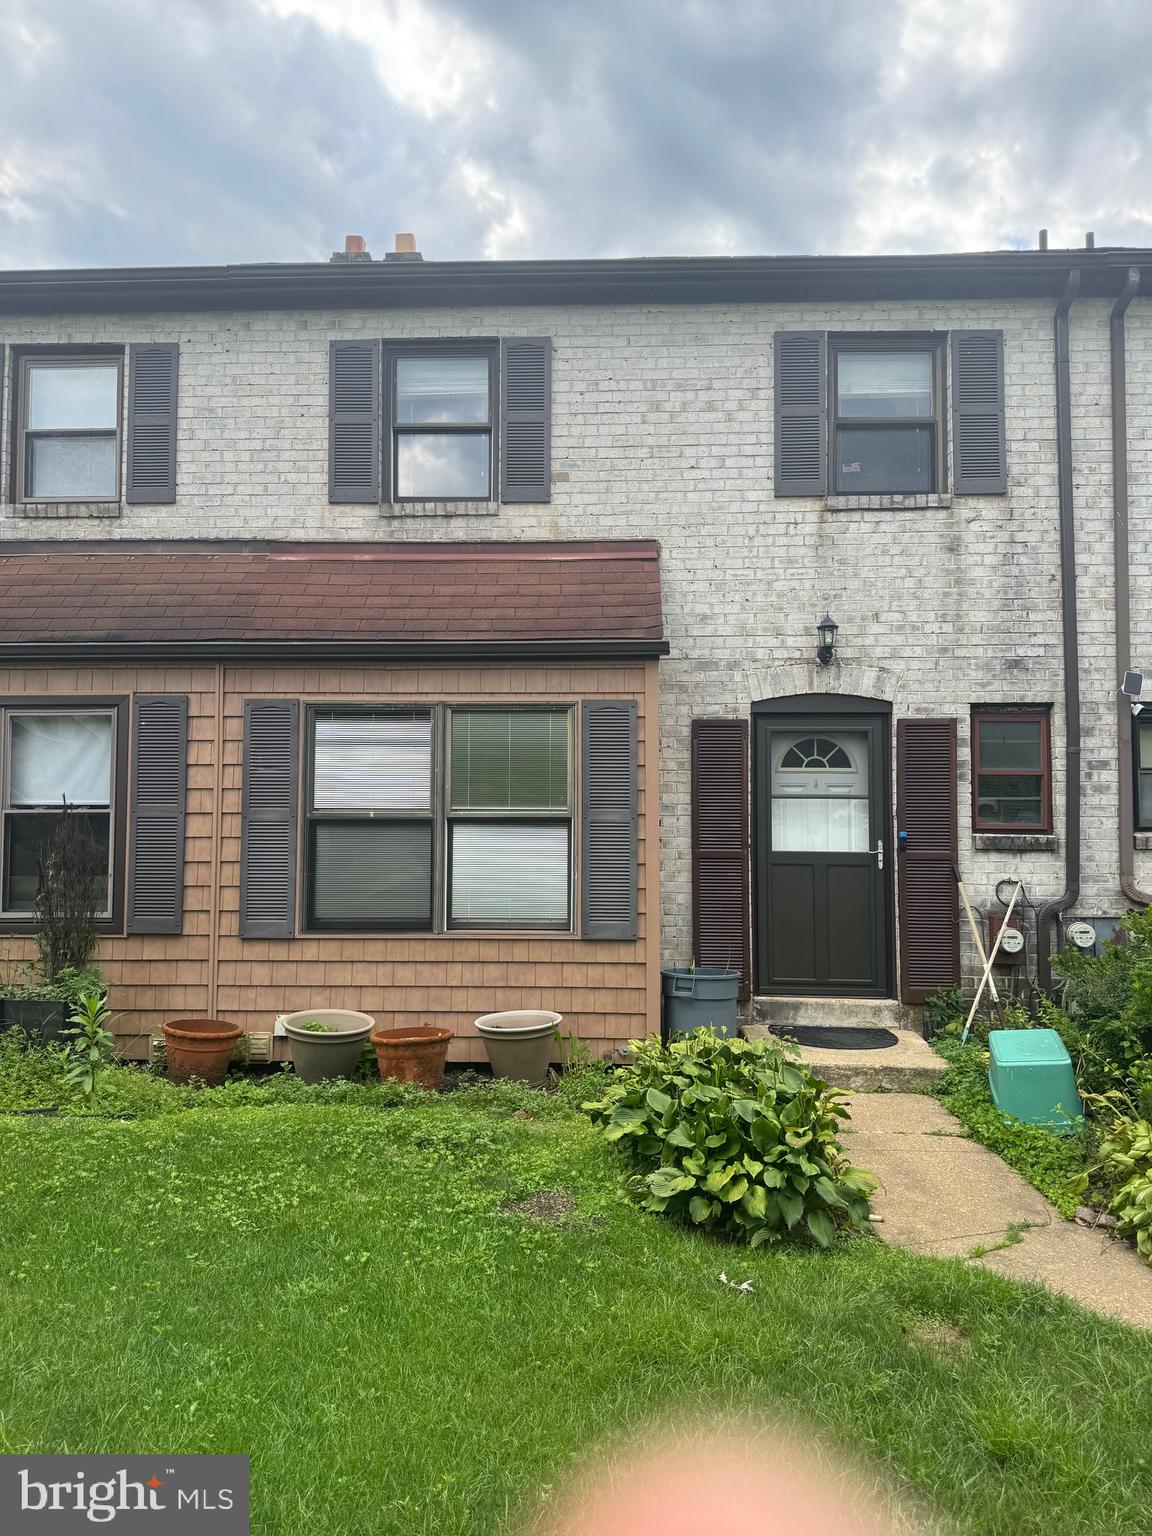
909 1066
844 1012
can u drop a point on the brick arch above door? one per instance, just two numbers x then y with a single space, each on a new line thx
796 677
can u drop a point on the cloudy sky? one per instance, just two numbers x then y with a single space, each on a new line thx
151 131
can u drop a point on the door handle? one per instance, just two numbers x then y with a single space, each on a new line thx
879 852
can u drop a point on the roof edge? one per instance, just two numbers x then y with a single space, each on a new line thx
310 652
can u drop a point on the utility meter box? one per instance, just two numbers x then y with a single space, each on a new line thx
1011 950
1030 1075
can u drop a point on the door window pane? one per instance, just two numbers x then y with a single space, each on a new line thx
25 836
824 825
69 398
884 383
884 460
509 760
513 873
1010 744
72 467
820 792
57 758
434 389
372 763
443 465
372 874
1005 799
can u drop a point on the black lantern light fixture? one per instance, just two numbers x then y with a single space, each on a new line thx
826 629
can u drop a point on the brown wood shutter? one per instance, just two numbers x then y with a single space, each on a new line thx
153 379
929 903
354 421
800 412
268 819
526 419
720 933
608 841
156 824
978 447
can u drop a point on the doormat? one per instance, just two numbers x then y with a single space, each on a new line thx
831 1037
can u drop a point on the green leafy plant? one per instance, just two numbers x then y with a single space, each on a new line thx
92 1050
1126 1155
315 1027
943 1008
735 1137
71 892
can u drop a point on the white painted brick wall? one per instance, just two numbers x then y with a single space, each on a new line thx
662 427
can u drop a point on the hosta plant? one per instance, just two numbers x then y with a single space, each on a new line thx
736 1137
1127 1155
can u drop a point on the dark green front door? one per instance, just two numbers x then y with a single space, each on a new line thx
823 855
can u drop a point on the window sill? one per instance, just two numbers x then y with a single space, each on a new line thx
55 510
1142 841
918 503
1014 842
439 509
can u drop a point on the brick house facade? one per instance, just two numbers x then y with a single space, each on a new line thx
662 428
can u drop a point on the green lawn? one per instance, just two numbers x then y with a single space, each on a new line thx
340 1291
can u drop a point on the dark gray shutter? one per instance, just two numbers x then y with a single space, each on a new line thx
153 375
926 864
156 826
526 419
979 456
268 819
609 822
801 412
354 421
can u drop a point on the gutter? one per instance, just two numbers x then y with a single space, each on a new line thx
1069 628
311 651
1122 584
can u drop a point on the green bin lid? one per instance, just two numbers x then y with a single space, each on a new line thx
1027 1047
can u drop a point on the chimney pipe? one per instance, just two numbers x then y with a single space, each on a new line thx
1090 240
355 249
405 249
1043 239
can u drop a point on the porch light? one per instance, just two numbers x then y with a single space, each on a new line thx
826 629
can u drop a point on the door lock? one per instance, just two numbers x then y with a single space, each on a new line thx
879 852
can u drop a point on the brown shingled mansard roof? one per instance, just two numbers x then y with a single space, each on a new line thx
122 598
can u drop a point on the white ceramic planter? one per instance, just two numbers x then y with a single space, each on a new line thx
520 1043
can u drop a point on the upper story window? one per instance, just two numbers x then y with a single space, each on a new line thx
1011 771
52 759
441 423
69 429
887 415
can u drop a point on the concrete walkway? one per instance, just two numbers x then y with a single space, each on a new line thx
945 1195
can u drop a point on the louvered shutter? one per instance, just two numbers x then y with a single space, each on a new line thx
720 876
608 854
354 421
156 824
800 412
153 377
526 419
979 456
929 914
268 819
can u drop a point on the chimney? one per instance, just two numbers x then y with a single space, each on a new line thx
354 250
1043 239
1090 240
405 250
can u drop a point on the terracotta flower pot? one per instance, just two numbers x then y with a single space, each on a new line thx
520 1043
200 1048
415 1055
334 1052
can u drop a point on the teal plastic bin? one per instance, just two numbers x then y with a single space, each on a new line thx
704 998
1030 1075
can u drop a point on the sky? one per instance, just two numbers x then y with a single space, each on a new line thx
140 132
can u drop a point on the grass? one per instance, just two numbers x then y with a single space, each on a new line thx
1046 1160
342 1290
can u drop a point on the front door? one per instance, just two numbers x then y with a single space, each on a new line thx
823 855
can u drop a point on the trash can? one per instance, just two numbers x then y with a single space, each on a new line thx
704 998
1030 1076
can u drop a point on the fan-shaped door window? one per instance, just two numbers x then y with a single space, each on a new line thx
820 792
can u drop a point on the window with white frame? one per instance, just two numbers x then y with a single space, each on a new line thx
54 761
441 422
448 817
69 428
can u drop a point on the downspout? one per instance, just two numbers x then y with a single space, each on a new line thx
1121 583
1068 624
